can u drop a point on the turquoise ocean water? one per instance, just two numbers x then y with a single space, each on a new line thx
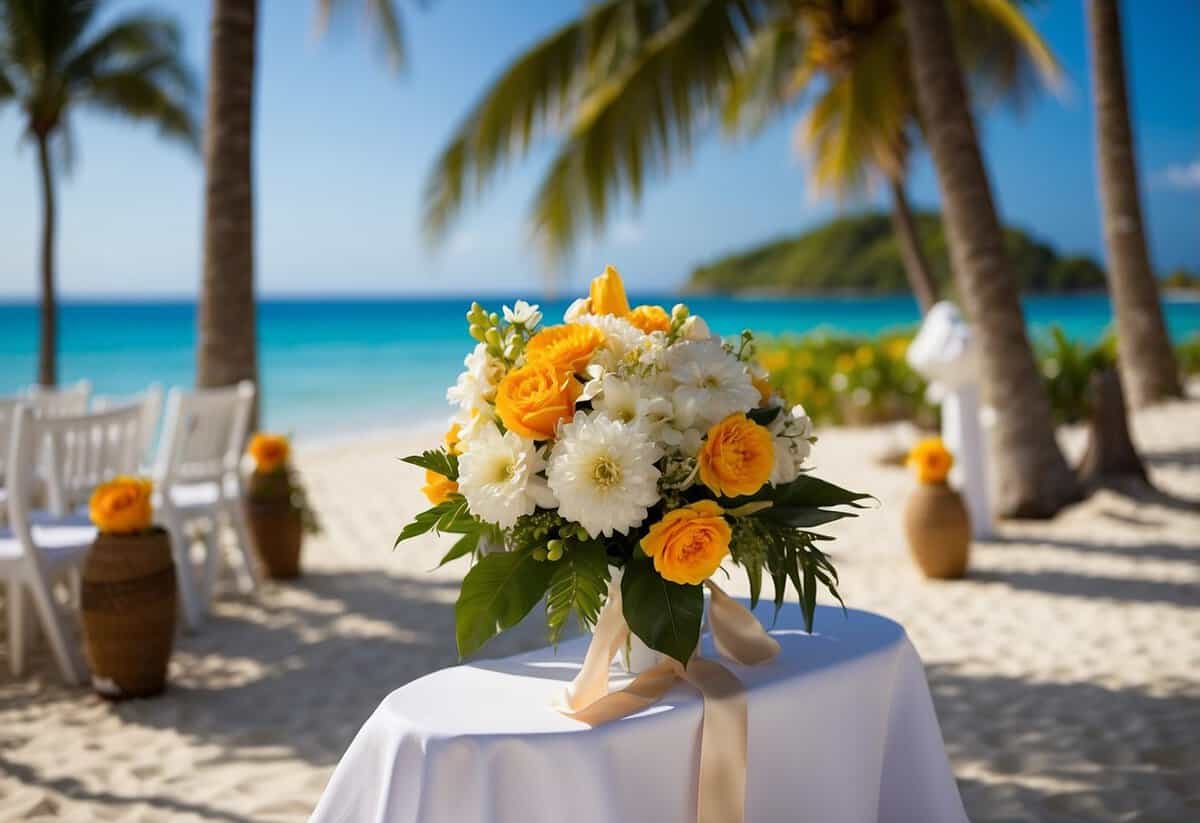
336 366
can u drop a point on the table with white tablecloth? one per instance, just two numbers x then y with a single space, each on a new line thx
841 729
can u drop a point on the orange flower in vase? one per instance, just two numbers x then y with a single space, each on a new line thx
935 520
930 460
122 505
270 452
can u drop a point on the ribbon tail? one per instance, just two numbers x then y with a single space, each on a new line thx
736 632
591 684
721 794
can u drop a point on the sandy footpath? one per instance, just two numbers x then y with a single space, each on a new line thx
1066 669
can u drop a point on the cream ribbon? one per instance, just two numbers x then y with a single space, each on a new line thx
738 636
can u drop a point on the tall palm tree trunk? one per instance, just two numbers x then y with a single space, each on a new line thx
1146 361
1032 477
48 344
227 350
912 254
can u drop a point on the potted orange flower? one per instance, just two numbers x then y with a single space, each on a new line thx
935 519
277 508
128 593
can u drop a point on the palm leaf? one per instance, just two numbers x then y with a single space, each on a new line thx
579 584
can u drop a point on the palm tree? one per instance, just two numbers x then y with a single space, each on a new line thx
1033 479
227 350
862 122
55 60
1147 363
633 82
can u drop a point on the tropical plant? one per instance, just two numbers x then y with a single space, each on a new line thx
1068 367
850 61
1032 476
56 58
1147 365
632 84
227 349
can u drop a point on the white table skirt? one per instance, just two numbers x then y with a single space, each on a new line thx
841 729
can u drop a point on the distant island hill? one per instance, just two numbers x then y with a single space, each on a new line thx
859 255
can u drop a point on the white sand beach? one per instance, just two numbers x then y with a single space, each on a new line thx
1065 669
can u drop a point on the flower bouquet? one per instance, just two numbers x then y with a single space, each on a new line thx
624 438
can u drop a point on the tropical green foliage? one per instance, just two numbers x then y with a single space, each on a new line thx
1067 367
1182 279
1188 353
859 253
55 58
626 90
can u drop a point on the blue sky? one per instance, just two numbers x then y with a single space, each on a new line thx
344 145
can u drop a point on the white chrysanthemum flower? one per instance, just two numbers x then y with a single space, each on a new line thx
636 403
497 474
578 308
524 313
476 387
603 473
710 383
620 337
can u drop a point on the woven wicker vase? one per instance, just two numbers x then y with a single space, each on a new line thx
129 607
276 528
938 530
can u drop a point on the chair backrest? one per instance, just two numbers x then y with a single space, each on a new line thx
70 401
8 414
151 402
74 454
204 434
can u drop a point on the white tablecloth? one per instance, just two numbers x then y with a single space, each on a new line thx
841 729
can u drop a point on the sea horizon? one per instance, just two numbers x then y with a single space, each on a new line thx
336 365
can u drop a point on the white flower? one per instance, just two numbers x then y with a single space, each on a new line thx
497 474
476 387
523 313
710 383
694 328
577 309
620 337
793 444
635 403
603 473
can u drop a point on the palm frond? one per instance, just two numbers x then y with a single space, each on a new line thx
131 38
137 92
8 89
1004 56
772 76
386 22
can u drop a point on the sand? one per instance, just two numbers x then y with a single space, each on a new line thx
1065 670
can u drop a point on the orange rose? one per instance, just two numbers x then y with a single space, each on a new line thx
567 347
737 456
122 505
532 399
651 319
607 294
270 451
689 544
931 460
437 487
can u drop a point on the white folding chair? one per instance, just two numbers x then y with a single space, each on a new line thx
151 401
39 549
8 411
69 401
198 480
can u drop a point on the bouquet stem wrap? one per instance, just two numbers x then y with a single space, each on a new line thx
738 636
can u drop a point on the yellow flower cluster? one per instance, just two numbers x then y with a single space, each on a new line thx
438 487
931 460
122 505
269 452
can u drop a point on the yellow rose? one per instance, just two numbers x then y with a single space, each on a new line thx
931 460
122 505
270 451
567 347
737 456
688 544
607 294
438 487
532 399
651 319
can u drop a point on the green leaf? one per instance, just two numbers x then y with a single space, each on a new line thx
764 417
754 575
579 584
496 595
451 515
802 516
809 601
806 490
665 615
436 460
463 546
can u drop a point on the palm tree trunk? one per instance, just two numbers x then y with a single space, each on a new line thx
916 264
1032 477
227 350
48 344
1145 358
